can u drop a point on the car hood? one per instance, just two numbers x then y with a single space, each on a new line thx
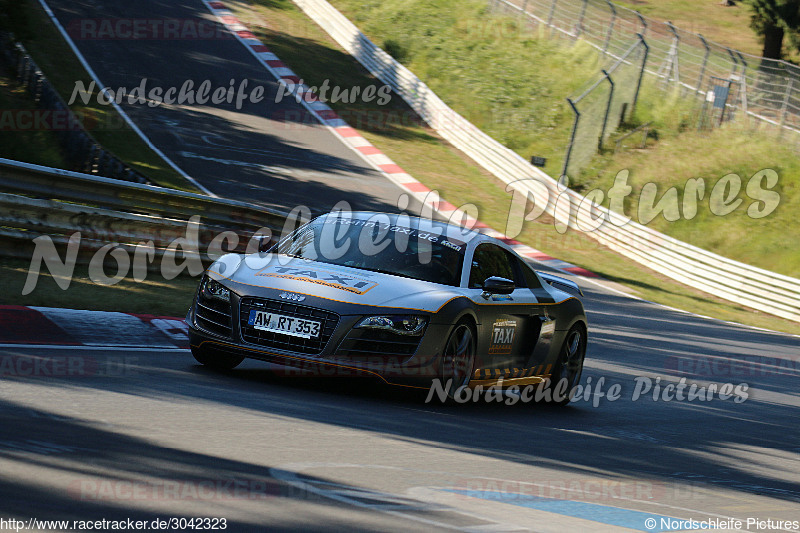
332 282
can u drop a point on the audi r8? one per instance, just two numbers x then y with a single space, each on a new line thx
407 300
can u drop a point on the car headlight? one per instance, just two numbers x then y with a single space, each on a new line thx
400 324
215 289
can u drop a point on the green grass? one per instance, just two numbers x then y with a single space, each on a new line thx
54 57
152 296
314 57
768 242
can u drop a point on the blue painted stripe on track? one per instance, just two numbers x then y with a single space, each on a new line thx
613 516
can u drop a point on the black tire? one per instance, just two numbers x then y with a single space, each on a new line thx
569 365
458 357
216 360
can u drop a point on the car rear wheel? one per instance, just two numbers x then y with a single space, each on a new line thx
569 367
216 360
458 358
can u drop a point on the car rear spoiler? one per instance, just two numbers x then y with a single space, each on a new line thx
557 280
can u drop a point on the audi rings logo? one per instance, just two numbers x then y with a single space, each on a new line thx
292 296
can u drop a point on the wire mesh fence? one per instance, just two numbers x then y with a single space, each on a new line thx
602 107
767 90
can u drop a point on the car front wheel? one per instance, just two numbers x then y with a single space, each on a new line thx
458 358
216 360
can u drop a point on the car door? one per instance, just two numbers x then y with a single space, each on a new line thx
510 324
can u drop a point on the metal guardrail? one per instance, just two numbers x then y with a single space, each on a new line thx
737 282
37 200
25 178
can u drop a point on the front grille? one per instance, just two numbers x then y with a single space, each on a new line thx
311 346
367 343
213 315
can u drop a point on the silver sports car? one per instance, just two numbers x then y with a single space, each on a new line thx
407 300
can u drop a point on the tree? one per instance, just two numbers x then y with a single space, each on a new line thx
774 20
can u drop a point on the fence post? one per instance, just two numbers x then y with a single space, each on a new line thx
552 13
735 61
608 109
705 63
641 74
744 83
571 138
676 45
524 10
643 21
725 104
579 27
785 107
610 26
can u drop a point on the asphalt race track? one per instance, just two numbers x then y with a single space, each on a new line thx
267 152
117 433
327 453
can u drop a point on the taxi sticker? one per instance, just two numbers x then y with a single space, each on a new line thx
327 278
503 332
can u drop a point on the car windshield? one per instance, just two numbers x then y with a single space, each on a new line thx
381 244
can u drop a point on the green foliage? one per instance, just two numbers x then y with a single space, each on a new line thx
395 49
774 19
784 13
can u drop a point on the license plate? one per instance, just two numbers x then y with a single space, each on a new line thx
286 325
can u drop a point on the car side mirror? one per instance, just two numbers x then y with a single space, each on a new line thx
498 285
